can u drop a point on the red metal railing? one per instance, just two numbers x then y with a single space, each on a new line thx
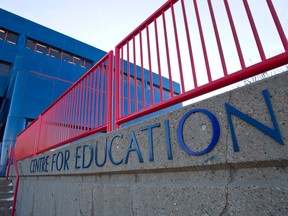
83 109
12 160
202 45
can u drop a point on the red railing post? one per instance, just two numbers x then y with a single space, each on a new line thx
38 136
16 186
109 88
11 156
117 87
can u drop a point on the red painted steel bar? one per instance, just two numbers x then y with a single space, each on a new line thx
75 111
98 71
117 86
254 30
202 42
142 72
178 49
16 184
168 56
278 24
158 61
189 47
122 82
217 38
86 104
128 80
150 66
82 113
101 78
93 99
235 36
109 122
136 101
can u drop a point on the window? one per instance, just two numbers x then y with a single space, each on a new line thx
5 68
41 48
2 34
88 64
12 38
67 57
30 44
8 36
78 61
55 53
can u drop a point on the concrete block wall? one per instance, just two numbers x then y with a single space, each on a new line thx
186 162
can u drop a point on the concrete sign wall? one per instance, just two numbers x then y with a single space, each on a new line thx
226 155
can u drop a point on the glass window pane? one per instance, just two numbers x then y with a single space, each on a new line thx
55 53
5 68
88 64
41 48
2 34
67 57
78 61
12 38
30 44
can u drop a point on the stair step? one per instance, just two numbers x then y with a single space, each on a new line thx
4 182
5 189
5 212
6 204
6 195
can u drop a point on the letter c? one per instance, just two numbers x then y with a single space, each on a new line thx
110 151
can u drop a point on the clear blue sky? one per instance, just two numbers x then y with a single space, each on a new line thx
100 23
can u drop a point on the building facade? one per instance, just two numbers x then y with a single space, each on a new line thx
37 65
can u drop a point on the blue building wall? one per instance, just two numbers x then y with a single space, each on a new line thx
35 79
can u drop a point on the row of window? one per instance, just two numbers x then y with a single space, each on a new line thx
8 36
156 88
57 53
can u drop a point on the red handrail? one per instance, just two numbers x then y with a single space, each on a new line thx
69 117
194 26
165 61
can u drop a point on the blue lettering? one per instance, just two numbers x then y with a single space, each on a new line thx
46 164
84 156
77 156
67 156
150 134
59 167
32 166
53 161
168 140
136 148
272 132
216 132
110 150
104 157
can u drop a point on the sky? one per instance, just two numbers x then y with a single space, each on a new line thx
100 23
